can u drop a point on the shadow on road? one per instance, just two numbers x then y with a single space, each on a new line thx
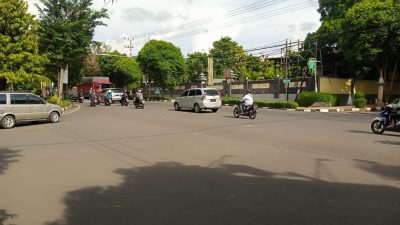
370 132
389 142
385 171
171 193
7 157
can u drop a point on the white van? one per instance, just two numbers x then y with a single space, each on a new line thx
199 99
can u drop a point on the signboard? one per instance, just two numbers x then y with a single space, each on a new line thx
312 66
65 78
286 81
227 73
157 90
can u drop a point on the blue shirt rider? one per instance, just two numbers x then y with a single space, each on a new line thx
109 95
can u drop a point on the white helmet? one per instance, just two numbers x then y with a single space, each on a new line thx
140 91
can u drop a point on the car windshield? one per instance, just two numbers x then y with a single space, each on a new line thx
211 92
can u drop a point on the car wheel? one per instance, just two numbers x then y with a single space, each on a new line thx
8 122
176 106
54 117
214 110
197 108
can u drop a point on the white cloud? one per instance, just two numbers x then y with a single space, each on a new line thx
205 21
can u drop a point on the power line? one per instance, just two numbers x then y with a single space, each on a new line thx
230 13
252 18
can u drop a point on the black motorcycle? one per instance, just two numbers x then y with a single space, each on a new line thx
124 101
139 104
387 120
92 102
250 111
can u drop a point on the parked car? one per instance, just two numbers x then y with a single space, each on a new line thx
19 106
199 99
116 94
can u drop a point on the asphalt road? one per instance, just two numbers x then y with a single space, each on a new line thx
122 166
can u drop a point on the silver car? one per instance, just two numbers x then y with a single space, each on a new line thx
116 94
198 99
15 107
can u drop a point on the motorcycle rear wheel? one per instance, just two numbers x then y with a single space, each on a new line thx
378 127
236 112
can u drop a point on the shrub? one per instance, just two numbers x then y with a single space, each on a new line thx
230 101
308 98
283 105
56 100
277 105
360 102
262 103
359 95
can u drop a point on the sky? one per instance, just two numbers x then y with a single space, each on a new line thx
193 25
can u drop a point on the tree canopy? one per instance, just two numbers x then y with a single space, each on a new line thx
366 34
162 62
197 63
20 61
372 34
126 73
226 54
66 31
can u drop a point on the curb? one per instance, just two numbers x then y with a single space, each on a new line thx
65 109
321 110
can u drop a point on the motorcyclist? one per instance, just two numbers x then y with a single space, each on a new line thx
124 97
246 101
138 97
394 113
109 95
92 96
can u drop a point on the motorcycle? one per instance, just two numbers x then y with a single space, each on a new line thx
139 104
107 101
92 102
250 111
388 119
124 101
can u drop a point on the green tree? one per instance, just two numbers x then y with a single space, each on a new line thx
162 62
197 63
127 73
20 61
372 36
227 54
107 62
66 31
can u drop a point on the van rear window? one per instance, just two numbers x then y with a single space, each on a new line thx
3 99
211 92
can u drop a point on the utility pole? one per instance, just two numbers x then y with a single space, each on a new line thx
286 70
130 46
316 59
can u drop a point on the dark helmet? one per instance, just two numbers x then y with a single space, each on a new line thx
248 92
